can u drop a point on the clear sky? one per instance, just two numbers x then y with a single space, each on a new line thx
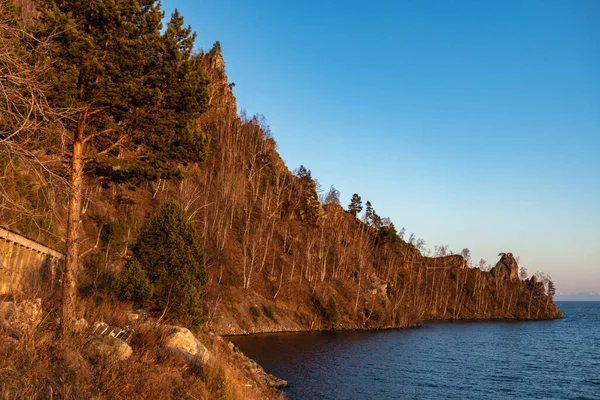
471 123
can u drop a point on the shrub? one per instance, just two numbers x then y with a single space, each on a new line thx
269 313
132 285
255 311
174 262
331 311
377 315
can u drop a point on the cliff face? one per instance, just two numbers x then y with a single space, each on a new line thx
506 268
273 270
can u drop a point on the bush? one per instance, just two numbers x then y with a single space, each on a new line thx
377 315
269 313
132 285
331 311
174 262
255 311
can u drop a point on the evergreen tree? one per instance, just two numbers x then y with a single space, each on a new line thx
387 233
371 217
368 212
355 206
132 285
310 199
136 90
551 289
376 220
167 249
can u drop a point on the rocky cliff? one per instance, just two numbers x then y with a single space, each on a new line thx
506 268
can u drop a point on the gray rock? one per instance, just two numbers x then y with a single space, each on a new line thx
136 316
81 325
109 347
181 340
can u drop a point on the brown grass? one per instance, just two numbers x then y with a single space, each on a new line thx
41 366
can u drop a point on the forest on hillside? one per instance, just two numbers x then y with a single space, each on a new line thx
114 124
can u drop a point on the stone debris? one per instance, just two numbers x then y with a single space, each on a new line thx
105 330
257 370
136 316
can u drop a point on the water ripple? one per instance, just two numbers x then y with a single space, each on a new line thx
461 360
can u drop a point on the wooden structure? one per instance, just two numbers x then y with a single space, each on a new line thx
25 263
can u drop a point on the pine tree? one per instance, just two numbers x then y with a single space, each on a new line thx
137 90
368 212
371 217
355 206
310 199
167 250
551 289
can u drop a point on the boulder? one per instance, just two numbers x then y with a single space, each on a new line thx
506 268
81 325
109 347
21 317
275 382
181 340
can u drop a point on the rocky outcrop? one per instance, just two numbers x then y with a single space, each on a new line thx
451 261
535 286
256 370
379 287
221 96
506 268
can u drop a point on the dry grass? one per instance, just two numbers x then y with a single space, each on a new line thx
41 366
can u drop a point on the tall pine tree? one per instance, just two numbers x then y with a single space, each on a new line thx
355 206
310 199
136 90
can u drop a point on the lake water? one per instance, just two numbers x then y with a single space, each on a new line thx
452 360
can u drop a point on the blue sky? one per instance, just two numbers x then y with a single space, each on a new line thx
471 123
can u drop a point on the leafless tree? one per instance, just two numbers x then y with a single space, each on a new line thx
29 126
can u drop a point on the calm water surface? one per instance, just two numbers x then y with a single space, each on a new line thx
460 360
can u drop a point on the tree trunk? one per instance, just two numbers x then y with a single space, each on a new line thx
69 286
